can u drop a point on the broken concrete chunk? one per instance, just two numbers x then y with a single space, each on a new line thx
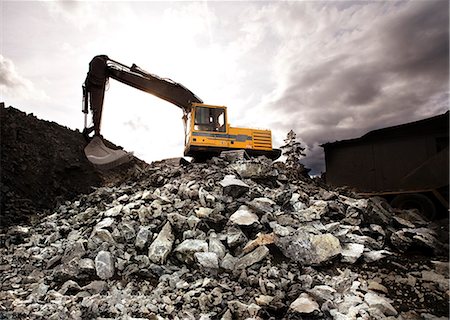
162 245
104 265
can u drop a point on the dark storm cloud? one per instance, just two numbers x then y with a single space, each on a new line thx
418 43
386 75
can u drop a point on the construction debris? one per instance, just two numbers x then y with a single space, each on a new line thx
232 238
201 241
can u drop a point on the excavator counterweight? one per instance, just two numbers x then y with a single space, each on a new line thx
207 130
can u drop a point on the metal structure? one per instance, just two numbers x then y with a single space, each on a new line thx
408 164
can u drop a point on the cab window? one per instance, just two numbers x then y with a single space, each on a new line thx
210 119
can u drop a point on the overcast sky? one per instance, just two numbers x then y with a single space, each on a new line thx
329 70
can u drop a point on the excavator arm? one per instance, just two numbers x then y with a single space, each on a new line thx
101 68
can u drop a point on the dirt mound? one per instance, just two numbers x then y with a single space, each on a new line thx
43 164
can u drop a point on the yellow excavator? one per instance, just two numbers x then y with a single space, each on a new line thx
207 132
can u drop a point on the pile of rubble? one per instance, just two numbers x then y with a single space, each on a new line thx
227 239
43 163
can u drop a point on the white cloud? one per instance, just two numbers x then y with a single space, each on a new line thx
15 85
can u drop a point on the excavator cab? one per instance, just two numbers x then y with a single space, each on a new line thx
210 118
208 134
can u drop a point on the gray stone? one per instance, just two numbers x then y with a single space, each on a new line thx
304 304
97 286
185 251
216 246
114 211
381 303
99 236
207 259
127 230
375 286
313 212
233 187
351 252
162 245
142 237
244 216
104 265
322 293
105 223
203 212
69 285
309 249
86 265
264 300
372 256
74 251
235 237
255 170
251 258
261 205
177 220
228 262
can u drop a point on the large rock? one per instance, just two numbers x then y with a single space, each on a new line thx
309 249
251 258
381 303
255 170
185 251
162 245
104 265
233 187
304 304
244 216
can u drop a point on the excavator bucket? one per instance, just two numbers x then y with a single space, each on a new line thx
103 157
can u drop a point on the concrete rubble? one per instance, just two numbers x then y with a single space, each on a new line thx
226 239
